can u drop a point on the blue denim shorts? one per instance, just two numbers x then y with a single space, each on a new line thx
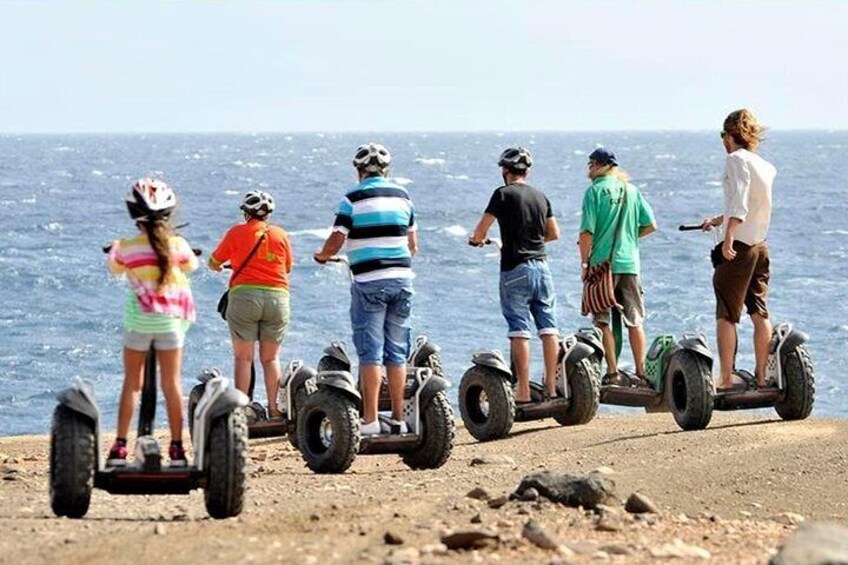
379 315
528 291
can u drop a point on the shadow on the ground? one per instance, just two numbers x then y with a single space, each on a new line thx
675 432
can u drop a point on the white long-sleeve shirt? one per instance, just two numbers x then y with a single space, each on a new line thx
748 180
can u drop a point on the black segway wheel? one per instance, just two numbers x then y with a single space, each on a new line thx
227 457
439 433
486 403
193 400
328 432
300 396
689 390
584 384
72 463
800 382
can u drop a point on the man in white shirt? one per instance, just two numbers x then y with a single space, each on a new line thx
742 275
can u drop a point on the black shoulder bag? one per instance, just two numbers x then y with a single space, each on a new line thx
225 298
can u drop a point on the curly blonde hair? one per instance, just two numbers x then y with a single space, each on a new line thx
743 127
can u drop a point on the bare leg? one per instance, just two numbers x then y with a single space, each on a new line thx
762 338
269 352
133 377
170 364
550 351
726 338
609 348
397 382
371 377
242 359
520 351
638 345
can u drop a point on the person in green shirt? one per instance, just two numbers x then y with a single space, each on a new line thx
603 201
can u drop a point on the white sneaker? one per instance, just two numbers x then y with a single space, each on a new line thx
372 429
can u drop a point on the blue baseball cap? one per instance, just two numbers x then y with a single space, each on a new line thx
603 156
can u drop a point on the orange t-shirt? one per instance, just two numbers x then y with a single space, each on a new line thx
270 265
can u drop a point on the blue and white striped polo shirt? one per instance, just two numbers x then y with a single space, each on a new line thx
376 216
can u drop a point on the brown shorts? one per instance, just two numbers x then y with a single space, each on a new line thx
742 282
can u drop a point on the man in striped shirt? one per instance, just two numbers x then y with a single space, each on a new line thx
377 220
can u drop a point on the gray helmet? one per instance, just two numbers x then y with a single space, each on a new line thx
257 203
372 158
515 159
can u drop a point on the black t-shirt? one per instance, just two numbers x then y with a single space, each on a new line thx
522 212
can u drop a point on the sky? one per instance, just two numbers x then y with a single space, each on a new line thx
419 65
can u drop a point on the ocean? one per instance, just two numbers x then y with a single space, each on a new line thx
61 199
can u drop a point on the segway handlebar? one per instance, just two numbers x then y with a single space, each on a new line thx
196 250
689 227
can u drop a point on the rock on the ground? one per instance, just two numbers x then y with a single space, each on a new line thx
478 493
638 503
616 549
571 490
815 543
392 538
603 470
493 460
498 502
405 556
788 518
537 535
470 539
678 549
530 495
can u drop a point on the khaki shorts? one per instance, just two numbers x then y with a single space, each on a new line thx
742 282
257 314
628 293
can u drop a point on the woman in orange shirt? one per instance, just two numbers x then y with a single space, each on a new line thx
258 308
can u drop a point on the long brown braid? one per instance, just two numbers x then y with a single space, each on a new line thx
159 233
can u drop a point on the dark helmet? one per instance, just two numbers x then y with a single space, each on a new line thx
516 159
150 200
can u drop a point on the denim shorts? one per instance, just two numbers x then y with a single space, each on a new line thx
379 315
165 341
528 291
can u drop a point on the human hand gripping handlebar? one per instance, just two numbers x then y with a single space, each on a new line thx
488 241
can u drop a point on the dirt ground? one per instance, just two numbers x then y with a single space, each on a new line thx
728 494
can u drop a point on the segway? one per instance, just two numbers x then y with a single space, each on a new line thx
296 384
219 440
487 399
219 443
677 378
790 377
328 424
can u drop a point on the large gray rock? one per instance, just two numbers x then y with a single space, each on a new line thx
572 490
815 543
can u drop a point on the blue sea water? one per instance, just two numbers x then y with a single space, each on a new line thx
61 199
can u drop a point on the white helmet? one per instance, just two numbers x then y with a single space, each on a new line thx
150 200
516 159
257 203
372 158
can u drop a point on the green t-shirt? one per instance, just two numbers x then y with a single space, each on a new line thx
601 205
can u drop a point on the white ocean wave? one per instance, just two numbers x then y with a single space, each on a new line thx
665 156
456 177
231 192
403 181
249 164
54 227
835 232
30 200
430 160
320 233
97 173
713 183
62 148
455 231
578 152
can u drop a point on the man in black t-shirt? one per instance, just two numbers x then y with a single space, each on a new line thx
526 222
